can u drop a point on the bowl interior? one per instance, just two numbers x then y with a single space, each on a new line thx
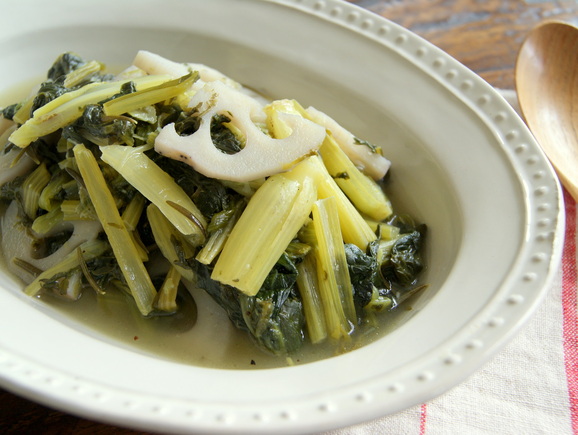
462 163
418 184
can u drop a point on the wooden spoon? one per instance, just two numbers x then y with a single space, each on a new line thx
547 86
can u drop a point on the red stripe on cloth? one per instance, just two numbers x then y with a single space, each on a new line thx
570 317
422 418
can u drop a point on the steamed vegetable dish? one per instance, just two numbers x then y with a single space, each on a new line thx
169 174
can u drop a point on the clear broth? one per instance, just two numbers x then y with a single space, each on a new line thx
212 342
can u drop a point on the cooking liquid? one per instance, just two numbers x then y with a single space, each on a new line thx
211 342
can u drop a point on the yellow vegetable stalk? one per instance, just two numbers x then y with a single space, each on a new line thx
130 217
23 114
89 250
75 77
353 226
143 253
159 188
74 210
217 240
125 251
47 199
32 189
167 296
45 222
278 128
69 106
312 305
132 212
270 221
367 196
386 231
146 97
332 271
166 236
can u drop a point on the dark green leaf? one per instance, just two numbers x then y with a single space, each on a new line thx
64 65
9 111
209 194
273 318
223 138
95 127
405 262
362 272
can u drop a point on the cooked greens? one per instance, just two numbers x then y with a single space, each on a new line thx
309 251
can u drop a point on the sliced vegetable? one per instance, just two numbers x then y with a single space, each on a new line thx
307 283
89 250
332 272
125 251
173 172
32 188
365 156
353 226
262 156
170 241
69 106
271 220
367 196
166 299
149 96
159 188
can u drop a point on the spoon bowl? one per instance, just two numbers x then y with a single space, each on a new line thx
547 87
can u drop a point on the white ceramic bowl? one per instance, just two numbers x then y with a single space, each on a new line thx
463 162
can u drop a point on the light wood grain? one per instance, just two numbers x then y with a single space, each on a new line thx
483 35
547 84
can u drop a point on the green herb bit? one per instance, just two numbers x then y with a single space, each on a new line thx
64 65
8 112
66 284
226 137
378 302
87 275
372 147
24 265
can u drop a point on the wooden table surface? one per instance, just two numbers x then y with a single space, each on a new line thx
483 35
